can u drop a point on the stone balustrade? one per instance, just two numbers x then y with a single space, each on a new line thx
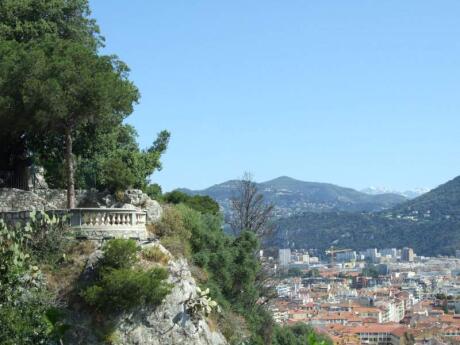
95 223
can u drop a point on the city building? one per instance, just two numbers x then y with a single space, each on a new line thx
284 257
407 254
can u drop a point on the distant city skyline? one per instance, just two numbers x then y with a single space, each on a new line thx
356 93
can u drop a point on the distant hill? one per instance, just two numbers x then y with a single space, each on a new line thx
291 197
430 224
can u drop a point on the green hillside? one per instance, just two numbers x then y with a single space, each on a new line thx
291 197
430 224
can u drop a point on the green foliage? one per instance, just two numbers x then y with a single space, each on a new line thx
202 305
23 299
174 233
429 224
54 83
110 158
200 203
178 246
230 263
118 176
26 20
119 253
125 166
121 285
125 288
48 236
24 320
298 334
153 191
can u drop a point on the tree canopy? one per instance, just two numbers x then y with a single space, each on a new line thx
61 100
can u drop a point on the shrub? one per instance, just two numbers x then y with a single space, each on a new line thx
125 288
155 254
122 286
172 223
24 322
233 327
153 191
48 238
177 246
298 334
120 253
200 203
23 302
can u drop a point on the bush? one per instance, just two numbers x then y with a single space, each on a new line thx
172 223
48 238
155 254
124 289
122 286
177 246
200 203
23 301
153 191
24 322
298 334
120 253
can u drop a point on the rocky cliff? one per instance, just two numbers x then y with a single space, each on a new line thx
168 323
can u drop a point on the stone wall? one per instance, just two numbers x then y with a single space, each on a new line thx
49 199
20 200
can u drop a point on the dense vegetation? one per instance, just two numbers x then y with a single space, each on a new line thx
200 203
61 100
121 283
429 224
228 266
26 306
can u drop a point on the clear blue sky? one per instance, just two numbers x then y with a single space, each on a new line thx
357 93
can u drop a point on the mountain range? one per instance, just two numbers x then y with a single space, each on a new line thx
318 215
429 223
293 197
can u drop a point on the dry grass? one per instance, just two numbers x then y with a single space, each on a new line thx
200 275
155 254
152 229
61 279
177 246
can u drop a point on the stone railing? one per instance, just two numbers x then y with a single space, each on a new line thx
95 223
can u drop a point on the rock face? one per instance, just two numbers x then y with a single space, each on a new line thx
169 323
166 324
141 200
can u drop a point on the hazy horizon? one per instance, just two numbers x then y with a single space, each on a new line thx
356 93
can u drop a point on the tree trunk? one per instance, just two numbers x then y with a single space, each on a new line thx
69 169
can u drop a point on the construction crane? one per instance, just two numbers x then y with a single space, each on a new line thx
332 251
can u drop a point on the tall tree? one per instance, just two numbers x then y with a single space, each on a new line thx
249 211
69 87
23 22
